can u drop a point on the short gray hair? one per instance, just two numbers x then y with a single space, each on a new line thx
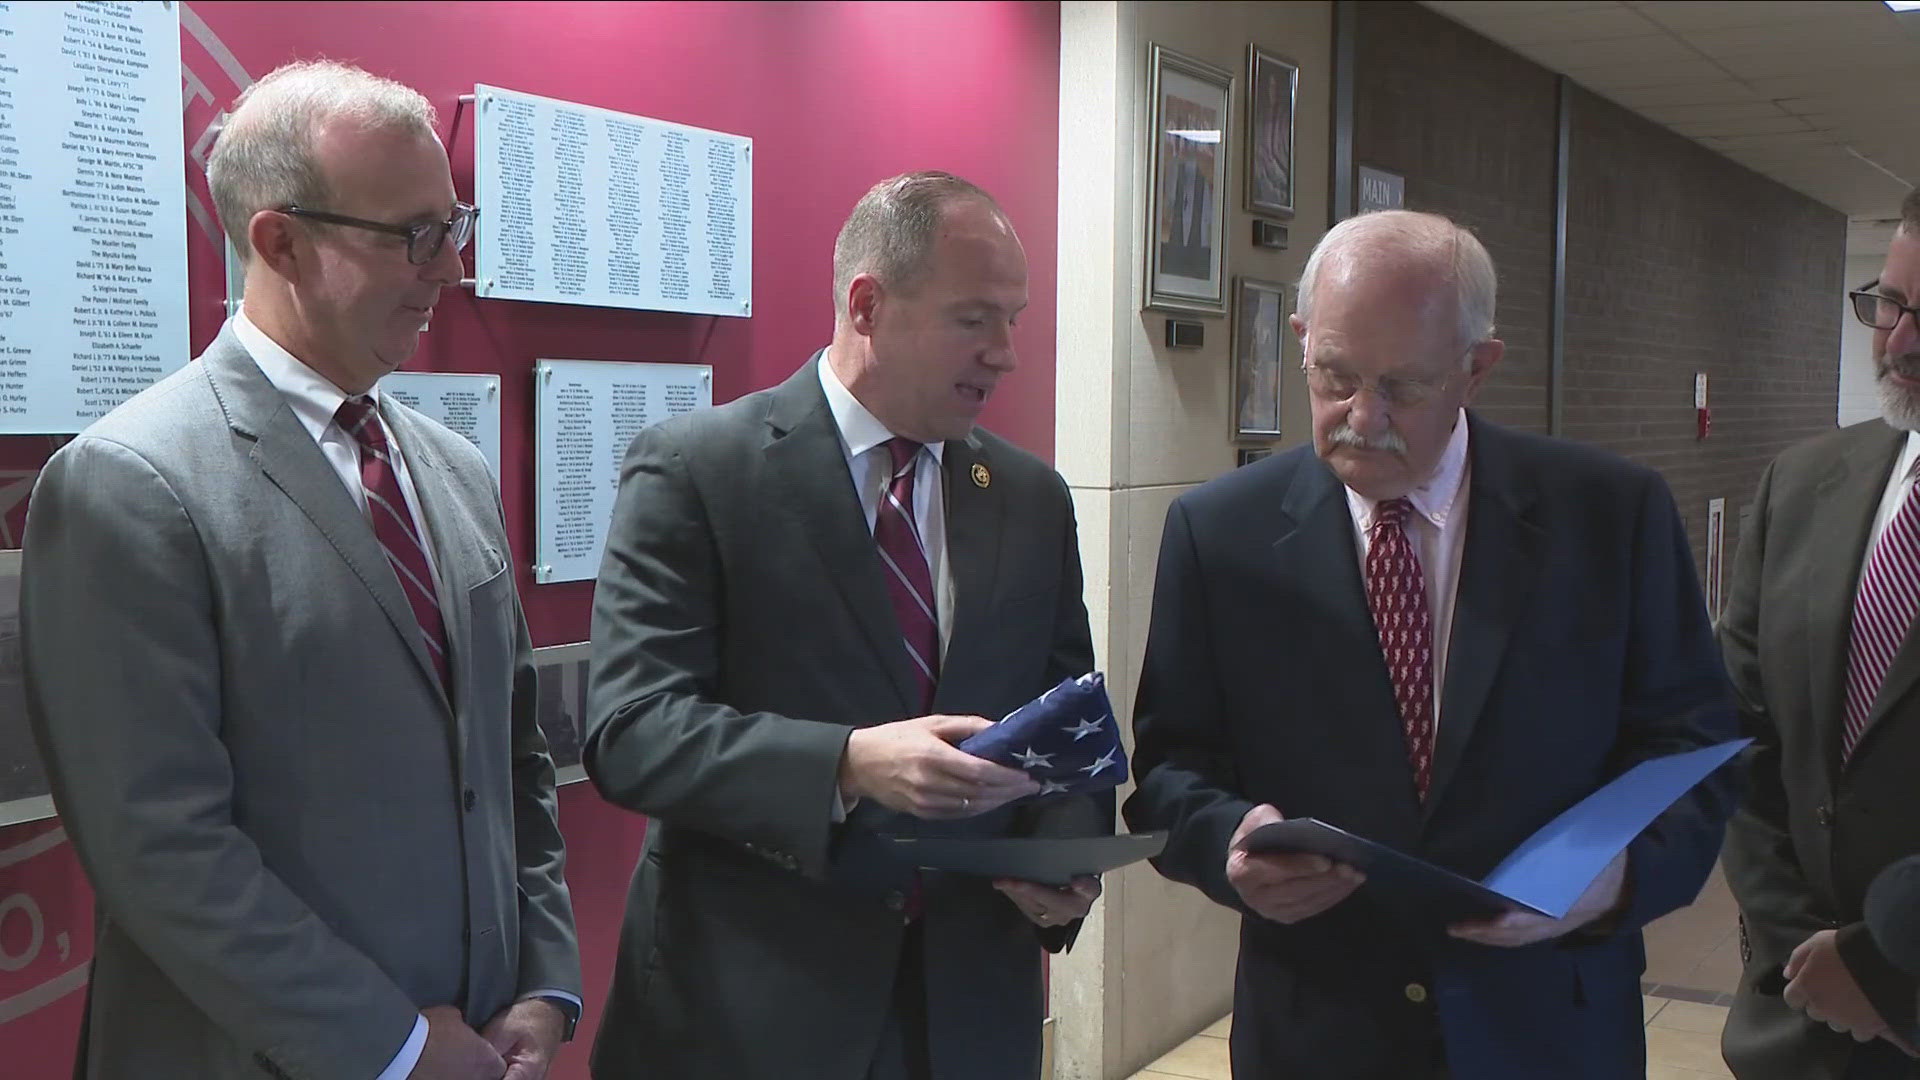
891 231
264 159
1910 214
1451 249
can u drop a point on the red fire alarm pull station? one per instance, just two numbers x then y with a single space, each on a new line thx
1703 416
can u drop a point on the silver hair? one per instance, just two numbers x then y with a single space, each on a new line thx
892 229
1412 235
264 157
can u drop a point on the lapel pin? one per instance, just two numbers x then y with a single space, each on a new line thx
981 477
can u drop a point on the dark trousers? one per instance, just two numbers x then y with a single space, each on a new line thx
1879 1060
902 1053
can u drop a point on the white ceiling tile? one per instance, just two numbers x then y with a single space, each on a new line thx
1588 25
1642 51
1763 125
1893 59
1817 33
1709 14
1713 112
1715 92
1633 76
1463 10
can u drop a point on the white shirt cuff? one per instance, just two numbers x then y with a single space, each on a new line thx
409 1055
561 994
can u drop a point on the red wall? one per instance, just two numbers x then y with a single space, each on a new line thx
835 97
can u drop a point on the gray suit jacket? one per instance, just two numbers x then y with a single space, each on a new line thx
296 840
1814 832
741 628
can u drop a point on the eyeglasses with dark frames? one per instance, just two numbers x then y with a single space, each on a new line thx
423 240
1877 311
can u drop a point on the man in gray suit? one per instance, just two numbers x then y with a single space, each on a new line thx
1819 638
809 594
275 660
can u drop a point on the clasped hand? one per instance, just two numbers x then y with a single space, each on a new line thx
1289 887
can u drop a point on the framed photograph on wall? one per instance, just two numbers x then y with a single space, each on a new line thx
1187 174
1259 350
1272 82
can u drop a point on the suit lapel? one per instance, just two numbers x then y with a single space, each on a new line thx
1848 497
807 471
1317 558
1499 567
286 453
448 534
975 509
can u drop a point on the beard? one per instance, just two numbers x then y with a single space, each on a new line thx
1899 406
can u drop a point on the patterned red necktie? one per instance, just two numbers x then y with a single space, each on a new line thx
393 525
1883 610
904 557
1397 596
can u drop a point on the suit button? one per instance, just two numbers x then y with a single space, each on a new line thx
469 800
896 901
1416 993
1824 816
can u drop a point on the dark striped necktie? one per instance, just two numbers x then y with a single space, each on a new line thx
394 527
904 559
1883 611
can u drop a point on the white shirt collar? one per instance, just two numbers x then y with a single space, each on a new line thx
1433 499
1909 459
859 428
313 397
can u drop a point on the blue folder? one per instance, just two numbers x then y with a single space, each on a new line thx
1545 874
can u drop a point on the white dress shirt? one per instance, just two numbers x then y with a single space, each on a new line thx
1898 486
863 438
315 400
1437 528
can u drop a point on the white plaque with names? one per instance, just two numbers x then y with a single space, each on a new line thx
93 210
584 205
586 413
469 405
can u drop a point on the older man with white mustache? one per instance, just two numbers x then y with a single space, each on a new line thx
1818 636
1438 634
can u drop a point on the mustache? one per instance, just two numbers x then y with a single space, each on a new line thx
1344 435
1907 364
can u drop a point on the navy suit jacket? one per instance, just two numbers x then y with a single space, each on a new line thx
1580 646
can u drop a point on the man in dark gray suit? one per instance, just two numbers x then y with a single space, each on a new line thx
276 664
808 595
1818 636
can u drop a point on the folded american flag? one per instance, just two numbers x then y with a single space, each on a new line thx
1066 739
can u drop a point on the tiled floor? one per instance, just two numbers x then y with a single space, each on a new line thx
1693 963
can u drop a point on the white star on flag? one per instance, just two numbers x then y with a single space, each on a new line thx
1084 728
1053 787
1029 759
1101 763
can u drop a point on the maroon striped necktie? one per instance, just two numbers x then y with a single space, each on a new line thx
1883 610
393 525
1397 596
904 558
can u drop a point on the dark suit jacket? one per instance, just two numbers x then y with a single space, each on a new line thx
296 838
1580 646
1813 834
741 629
